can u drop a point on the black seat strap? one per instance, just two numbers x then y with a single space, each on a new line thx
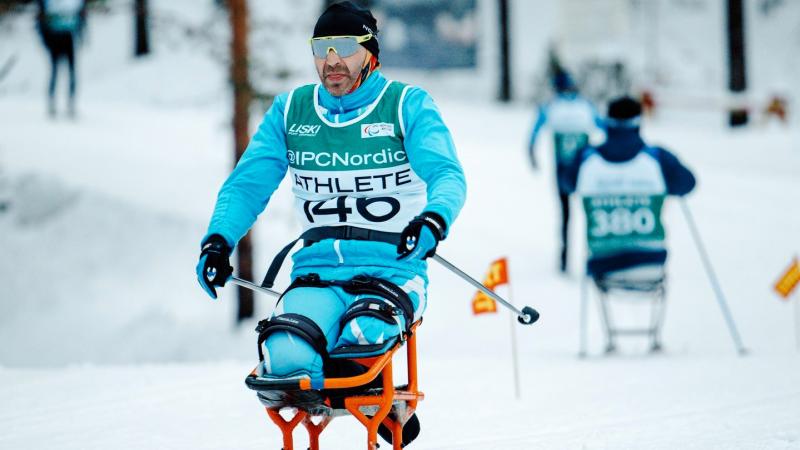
320 233
400 302
371 307
296 324
366 285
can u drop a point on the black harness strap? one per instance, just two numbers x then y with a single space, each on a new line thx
313 235
277 262
296 324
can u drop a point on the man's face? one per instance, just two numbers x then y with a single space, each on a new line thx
338 74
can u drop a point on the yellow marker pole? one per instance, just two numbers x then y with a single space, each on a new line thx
785 286
796 313
797 320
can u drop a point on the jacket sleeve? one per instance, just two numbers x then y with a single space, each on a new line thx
245 193
541 120
432 155
678 178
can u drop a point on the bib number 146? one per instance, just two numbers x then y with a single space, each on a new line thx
342 207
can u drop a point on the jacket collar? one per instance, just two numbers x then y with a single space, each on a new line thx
622 144
355 101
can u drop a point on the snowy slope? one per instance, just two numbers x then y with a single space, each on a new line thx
654 403
110 343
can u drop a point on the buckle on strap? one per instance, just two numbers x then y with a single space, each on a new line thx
360 234
308 280
373 307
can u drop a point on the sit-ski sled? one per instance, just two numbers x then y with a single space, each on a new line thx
651 288
370 396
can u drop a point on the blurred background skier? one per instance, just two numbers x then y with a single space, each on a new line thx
625 165
60 24
572 119
377 186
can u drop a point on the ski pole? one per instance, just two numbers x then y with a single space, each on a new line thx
526 316
252 286
723 304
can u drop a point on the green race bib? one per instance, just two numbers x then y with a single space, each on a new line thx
623 222
568 144
353 173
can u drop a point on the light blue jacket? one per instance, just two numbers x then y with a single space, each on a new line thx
428 143
581 116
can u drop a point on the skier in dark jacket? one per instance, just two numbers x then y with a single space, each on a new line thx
624 165
60 24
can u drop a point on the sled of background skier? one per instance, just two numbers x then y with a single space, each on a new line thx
374 406
639 284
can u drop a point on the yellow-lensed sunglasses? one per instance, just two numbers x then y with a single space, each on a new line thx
343 46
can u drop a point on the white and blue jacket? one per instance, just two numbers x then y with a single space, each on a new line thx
625 164
64 16
568 113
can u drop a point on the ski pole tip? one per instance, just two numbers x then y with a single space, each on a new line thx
528 316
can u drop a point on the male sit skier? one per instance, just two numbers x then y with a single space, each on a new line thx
377 185
572 119
625 165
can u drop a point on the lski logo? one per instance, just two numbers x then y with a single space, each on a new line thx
304 130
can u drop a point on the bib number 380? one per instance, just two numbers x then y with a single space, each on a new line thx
341 207
623 222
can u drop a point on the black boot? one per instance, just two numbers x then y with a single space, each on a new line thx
410 430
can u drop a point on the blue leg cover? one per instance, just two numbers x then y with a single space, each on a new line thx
286 355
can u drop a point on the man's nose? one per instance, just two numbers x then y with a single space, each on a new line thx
332 57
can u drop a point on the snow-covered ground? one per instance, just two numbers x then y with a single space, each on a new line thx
109 343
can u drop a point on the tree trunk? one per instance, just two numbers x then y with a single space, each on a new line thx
505 54
242 94
737 76
142 37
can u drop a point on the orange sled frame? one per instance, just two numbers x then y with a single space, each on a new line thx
378 403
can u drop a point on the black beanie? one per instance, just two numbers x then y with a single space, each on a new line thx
347 19
624 108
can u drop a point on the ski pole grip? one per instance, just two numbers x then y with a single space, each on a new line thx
528 316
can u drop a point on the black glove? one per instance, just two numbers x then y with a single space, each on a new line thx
421 236
214 267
